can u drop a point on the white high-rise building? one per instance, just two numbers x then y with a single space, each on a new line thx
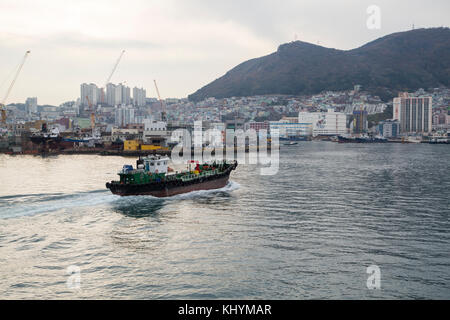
101 97
110 98
31 105
414 113
325 123
139 96
126 97
91 91
117 94
124 115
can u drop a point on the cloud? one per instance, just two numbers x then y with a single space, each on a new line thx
182 44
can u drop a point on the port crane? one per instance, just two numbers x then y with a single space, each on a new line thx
2 103
163 108
111 74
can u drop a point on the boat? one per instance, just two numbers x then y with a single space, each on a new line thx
290 143
346 139
414 139
361 139
370 139
75 140
45 136
151 177
380 139
439 140
294 138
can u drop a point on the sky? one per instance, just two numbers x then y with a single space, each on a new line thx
183 44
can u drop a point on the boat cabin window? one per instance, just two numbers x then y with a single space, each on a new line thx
156 165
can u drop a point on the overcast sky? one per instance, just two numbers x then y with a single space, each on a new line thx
183 44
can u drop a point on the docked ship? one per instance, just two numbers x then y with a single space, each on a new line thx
294 138
45 136
439 139
361 139
151 177
94 140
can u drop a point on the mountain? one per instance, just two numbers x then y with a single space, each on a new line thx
398 62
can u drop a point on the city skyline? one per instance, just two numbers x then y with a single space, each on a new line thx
111 94
183 46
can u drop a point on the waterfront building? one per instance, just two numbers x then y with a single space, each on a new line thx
441 121
155 132
258 126
325 123
125 134
288 129
139 126
360 124
414 113
389 128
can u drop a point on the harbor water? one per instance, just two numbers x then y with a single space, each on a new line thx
309 232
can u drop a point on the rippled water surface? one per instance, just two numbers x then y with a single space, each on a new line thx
309 232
